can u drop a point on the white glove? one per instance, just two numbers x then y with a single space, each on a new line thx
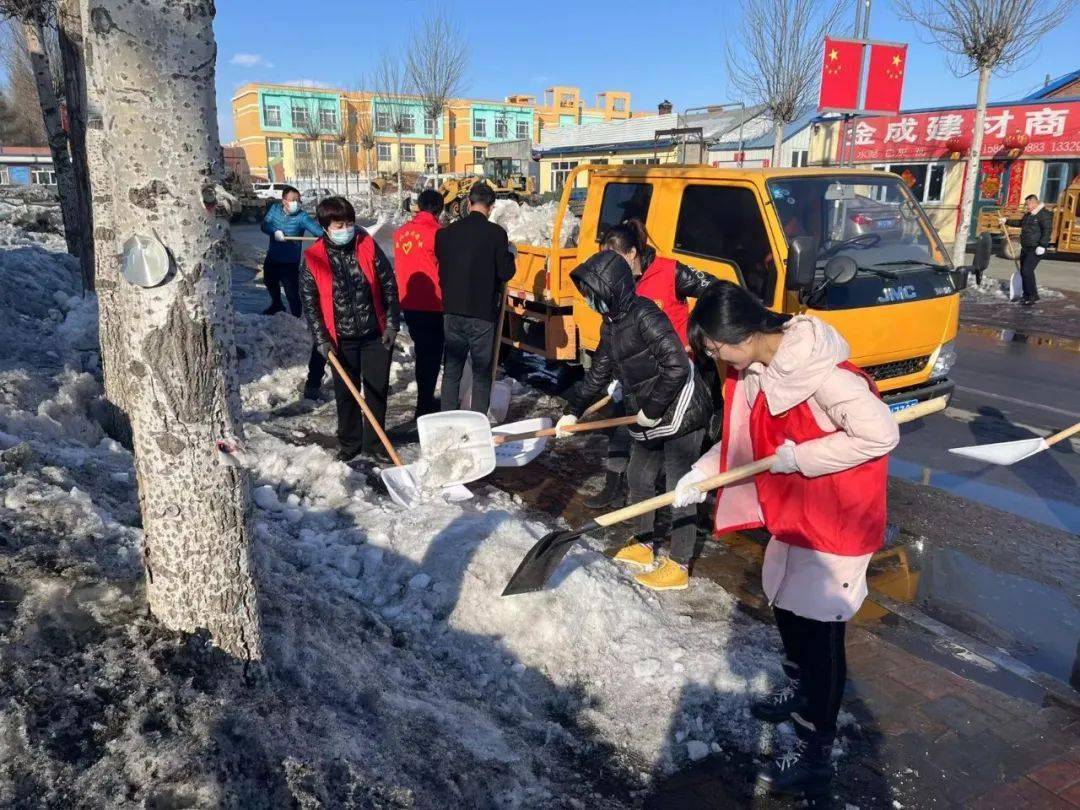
1040 250
646 422
564 422
615 391
686 491
279 236
785 459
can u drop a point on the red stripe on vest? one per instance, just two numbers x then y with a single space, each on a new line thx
318 264
839 513
657 283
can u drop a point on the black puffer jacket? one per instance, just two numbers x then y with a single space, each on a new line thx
638 346
1036 228
354 313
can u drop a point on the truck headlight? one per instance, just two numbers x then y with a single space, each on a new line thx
945 360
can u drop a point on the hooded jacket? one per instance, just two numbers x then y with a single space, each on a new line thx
639 346
291 225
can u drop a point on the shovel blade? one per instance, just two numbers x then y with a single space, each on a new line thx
457 446
540 562
1003 453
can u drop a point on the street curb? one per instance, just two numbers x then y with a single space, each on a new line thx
1008 334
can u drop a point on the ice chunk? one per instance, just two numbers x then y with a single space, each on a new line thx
419 582
696 750
266 498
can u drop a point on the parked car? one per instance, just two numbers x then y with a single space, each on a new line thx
864 216
269 191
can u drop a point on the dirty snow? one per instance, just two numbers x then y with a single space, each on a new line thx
395 673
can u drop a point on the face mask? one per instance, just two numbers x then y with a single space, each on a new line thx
342 237
292 206
595 304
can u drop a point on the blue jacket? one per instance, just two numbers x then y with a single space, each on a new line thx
291 225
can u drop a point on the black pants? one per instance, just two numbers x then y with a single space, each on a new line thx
1029 259
817 649
467 337
283 274
673 459
620 443
367 363
426 330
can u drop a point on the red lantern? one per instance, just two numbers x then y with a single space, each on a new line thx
1015 141
958 144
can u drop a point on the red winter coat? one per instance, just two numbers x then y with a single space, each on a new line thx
668 284
415 264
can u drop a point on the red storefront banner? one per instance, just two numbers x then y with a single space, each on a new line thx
1052 130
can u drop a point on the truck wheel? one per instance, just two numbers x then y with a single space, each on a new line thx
1010 250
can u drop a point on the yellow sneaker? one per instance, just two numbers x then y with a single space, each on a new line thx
640 554
669 576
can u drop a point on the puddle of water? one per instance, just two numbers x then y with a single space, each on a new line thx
1033 622
1048 511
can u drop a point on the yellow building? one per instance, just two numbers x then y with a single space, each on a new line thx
305 134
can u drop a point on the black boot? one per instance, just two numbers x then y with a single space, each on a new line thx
611 495
806 770
778 706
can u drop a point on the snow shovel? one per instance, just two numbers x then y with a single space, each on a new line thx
1016 280
1005 453
518 443
543 558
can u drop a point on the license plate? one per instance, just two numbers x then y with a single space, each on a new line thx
903 406
886 223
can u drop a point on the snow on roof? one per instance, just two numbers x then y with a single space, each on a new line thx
763 138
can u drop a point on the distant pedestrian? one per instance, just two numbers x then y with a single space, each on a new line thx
417 271
792 392
351 303
1036 230
475 262
281 268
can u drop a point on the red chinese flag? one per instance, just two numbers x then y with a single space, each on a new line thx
885 79
840 75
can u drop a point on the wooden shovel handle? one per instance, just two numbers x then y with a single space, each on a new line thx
301 238
1062 435
583 427
364 407
597 406
754 468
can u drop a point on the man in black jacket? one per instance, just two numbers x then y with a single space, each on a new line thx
350 299
639 347
1036 229
475 262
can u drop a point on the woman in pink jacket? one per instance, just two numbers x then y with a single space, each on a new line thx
791 391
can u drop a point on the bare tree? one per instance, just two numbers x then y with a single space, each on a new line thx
774 58
37 22
437 63
312 130
22 124
393 86
151 67
984 37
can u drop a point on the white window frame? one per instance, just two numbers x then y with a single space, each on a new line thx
327 118
429 125
618 104
408 153
302 149
430 156
479 128
408 121
270 153
384 121
329 150
42 176
560 173
383 152
277 114
887 167
504 125
522 130
300 112
479 153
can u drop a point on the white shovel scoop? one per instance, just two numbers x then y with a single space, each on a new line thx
1005 453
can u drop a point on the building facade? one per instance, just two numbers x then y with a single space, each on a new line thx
292 132
1030 146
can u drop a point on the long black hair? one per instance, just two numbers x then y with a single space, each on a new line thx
629 233
727 313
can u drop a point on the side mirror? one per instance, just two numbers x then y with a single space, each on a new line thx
801 263
983 245
841 270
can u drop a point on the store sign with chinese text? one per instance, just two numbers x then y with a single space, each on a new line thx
1052 129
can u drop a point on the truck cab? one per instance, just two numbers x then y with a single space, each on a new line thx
851 247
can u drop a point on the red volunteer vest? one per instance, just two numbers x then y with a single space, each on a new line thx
415 264
839 513
657 283
318 264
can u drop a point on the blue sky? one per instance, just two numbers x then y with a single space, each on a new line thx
653 50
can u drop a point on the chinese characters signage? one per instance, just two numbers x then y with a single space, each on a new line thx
1051 128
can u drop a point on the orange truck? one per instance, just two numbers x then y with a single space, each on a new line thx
852 247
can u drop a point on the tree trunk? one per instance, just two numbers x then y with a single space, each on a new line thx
154 62
106 258
971 180
400 184
71 56
435 142
367 176
778 144
66 186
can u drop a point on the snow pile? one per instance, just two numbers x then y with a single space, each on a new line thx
997 288
534 225
29 213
